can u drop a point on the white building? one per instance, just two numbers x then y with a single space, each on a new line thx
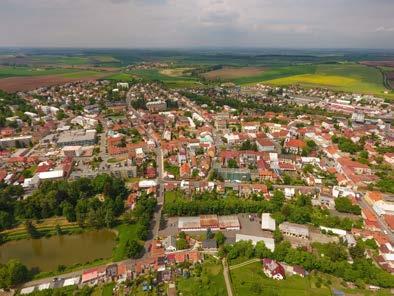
268 241
267 223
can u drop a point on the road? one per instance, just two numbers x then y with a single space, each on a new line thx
227 278
386 229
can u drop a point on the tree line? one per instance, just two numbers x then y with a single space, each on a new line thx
298 210
76 200
362 271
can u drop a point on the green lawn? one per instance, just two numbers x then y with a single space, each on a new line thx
125 232
250 280
210 283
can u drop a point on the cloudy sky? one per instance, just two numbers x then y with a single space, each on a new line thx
198 23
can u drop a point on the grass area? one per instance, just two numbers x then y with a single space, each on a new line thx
45 227
172 196
120 77
172 169
210 283
103 290
32 71
250 280
125 232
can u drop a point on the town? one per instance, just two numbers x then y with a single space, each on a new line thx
292 182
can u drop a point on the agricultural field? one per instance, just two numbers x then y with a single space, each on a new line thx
228 73
14 79
57 60
176 72
171 81
209 283
348 77
250 280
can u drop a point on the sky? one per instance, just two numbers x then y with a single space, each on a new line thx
197 23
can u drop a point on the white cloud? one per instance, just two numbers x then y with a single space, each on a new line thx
184 23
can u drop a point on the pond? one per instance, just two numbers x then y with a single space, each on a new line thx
47 254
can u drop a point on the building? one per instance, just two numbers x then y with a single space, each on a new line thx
169 243
273 269
209 245
205 222
267 223
268 239
156 106
293 229
18 142
77 138
265 145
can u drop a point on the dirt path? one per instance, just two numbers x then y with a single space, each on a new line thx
227 278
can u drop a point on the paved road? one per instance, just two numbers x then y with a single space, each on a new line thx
227 278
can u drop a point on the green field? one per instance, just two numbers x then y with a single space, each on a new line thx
125 233
250 280
32 71
349 77
171 81
210 283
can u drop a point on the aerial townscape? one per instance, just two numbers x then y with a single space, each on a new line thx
152 168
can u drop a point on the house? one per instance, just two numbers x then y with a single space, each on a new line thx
209 245
273 269
265 145
112 270
295 230
169 243
373 196
299 270
185 170
294 146
267 223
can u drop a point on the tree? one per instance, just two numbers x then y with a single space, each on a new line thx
344 204
31 229
69 212
357 251
109 218
232 164
133 248
209 233
13 273
141 232
220 238
262 251
182 234
181 244
58 229
278 236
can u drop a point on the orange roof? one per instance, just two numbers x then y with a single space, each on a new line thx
374 195
296 143
369 215
389 220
